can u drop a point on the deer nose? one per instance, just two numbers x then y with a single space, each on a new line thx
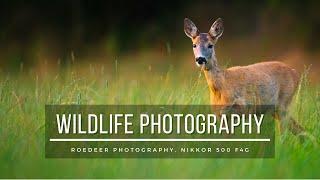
201 60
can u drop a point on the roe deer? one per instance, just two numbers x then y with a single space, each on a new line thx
265 83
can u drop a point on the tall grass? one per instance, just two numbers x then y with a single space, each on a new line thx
23 97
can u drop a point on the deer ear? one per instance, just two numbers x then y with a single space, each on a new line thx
216 29
190 29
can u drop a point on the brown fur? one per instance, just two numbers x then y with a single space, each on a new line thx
265 83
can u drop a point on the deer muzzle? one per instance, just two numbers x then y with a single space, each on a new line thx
201 60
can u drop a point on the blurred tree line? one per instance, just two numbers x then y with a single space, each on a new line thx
59 27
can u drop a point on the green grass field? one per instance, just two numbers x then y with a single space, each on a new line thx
23 97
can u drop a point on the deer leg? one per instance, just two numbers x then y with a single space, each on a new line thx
288 122
295 127
276 117
282 116
299 131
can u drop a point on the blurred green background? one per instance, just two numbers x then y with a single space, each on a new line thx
34 33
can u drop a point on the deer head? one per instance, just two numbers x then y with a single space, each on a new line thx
203 43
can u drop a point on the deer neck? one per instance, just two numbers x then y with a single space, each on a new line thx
214 76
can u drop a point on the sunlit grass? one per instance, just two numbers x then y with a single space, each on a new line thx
23 98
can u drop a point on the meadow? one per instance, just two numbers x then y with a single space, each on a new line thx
23 96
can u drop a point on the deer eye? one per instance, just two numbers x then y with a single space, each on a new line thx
210 46
194 45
